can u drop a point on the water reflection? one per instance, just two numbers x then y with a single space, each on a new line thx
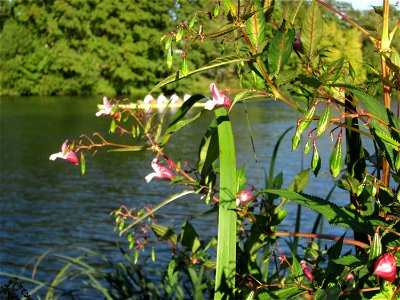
49 204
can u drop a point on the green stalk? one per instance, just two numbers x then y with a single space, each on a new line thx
226 249
384 48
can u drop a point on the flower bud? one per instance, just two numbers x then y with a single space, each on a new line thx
385 267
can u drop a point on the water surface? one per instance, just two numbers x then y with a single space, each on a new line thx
50 205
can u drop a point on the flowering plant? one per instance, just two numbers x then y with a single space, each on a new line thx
328 94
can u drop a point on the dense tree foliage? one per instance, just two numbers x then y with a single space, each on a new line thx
113 47
87 46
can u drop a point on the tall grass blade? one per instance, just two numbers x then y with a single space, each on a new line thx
226 249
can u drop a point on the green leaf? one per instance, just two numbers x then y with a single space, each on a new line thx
213 64
189 237
177 122
280 48
284 293
297 269
164 232
320 295
334 251
157 207
208 151
311 31
255 26
226 249
300 181
334 214
347 260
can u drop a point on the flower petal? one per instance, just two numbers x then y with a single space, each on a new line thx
209 105
149 177
56 155
71 157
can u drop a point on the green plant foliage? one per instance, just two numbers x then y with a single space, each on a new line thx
311 33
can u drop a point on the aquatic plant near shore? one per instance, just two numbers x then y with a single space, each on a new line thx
66 154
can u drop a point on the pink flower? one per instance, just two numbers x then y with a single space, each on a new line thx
349 277
219 99
306 270
243 197
66 154
385 267
106 111
159 171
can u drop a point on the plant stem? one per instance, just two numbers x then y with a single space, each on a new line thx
383 48
321 236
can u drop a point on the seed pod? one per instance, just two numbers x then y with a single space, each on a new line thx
336 159
306 121
307 146
324 120
184 68
295 141
168 43
179 34
376 247
316 160
169 58
216 10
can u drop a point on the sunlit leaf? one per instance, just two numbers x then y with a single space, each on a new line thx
311 31
255 26
280 48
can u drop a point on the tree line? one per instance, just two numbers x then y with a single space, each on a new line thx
114 47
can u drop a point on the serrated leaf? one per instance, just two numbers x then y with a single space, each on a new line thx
335 250
280 48
311 31
283 293
334 214
297 269
255 26
347 260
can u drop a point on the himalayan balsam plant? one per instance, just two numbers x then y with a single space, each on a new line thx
278 54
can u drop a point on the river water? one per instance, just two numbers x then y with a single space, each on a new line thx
50 206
